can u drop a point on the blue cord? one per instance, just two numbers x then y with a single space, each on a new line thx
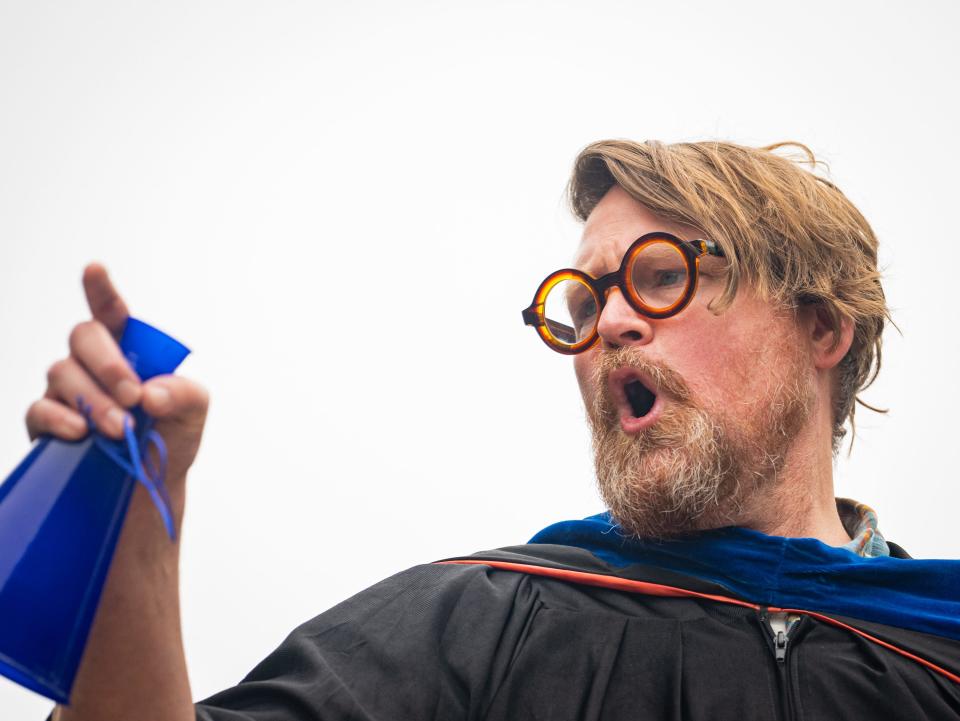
138 464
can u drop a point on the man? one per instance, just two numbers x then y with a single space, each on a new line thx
723 312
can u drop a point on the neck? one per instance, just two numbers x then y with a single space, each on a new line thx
801 504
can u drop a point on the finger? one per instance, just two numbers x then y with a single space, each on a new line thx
174 397
92 345
47 416
67 381
105 302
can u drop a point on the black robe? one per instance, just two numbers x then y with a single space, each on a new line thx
554 632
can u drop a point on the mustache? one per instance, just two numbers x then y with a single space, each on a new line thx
665 379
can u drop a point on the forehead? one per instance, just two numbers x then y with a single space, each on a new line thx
614 224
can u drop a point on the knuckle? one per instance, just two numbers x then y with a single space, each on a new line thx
34 412
77 334
40 418
113 370
83 331
58 370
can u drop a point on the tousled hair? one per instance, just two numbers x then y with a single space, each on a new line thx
786 231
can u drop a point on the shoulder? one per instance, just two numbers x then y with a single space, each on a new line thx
420 603
433 641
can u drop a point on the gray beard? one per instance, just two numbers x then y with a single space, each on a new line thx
689 471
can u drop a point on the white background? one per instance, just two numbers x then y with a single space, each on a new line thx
343 207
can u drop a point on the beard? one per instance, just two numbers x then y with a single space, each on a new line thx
692 470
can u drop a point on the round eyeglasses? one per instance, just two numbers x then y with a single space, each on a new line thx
658 277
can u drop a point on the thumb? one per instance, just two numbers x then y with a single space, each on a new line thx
180 408
176 399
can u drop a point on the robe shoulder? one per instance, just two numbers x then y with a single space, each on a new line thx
433 641
479 637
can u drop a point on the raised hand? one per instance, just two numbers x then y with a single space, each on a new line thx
96 371
133 665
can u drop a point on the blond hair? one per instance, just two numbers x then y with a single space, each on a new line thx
790 234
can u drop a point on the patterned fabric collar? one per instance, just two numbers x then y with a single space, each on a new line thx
860 522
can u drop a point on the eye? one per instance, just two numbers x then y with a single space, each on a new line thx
583 312
669 278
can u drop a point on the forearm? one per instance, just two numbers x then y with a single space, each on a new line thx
133 665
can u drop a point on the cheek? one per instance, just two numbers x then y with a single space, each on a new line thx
731 362
761 365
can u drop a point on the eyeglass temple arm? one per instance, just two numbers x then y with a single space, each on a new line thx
561 331
707 247
558 330
530 316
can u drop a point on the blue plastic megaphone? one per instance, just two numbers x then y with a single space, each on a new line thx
61 511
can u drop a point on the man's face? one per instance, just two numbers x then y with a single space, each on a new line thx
732 391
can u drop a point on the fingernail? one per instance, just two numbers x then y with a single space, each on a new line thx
159 397
75 424
115 418
127 392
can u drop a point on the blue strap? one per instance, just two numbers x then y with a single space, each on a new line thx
138 463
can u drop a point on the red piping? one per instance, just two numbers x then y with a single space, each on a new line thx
659 589
903 652
596 579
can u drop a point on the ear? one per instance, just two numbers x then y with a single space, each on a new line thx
830 338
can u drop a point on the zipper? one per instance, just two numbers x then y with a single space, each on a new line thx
779 627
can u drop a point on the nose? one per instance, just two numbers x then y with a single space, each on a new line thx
620 325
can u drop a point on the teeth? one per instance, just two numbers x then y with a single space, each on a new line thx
640 397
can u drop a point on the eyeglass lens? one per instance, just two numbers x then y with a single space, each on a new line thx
659 275
570 311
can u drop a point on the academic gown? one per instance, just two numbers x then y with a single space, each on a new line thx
582 623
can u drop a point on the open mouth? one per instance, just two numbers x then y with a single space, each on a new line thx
640 398
635 398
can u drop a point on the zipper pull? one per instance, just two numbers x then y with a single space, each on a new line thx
779 625
780 646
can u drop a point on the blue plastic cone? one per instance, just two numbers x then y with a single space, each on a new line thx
61 511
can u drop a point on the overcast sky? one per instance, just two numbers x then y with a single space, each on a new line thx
343 207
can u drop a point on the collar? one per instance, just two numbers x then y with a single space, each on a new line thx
787 573
860 523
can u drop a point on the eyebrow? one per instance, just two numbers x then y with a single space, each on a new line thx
577 292
591 268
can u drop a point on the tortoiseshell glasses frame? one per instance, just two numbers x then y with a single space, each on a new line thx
567 340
